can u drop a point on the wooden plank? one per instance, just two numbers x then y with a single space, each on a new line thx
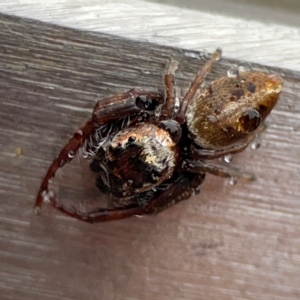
229 242
263 32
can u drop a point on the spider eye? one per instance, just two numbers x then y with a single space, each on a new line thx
249 120
131 139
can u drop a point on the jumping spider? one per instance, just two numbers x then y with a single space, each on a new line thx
155 147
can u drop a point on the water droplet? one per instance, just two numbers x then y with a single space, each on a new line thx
79 132
46 196
244 67
255 145
233 180
173 66
51 180
196 191
37 210
203 84
71 154
176 105
228 158
233 72
18 151
249 176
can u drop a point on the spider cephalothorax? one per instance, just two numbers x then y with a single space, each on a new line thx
154 147
137 158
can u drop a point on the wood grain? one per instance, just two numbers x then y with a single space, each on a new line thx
229 242
265 32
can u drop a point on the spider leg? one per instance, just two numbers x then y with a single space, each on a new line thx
65 155
98 215
170 92
217 169
213 154
166 195
107 109
180 116
218 153
122 104
173 192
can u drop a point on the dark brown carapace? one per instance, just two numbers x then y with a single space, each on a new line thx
154 147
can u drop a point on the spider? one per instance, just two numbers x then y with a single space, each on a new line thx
155 147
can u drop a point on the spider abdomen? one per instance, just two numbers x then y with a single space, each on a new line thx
230 110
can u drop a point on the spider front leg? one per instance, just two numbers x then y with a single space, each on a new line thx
213 154
181 115
170 92
176 190
100 214
106 110
123 104
217 169
65 155
202 153
164 196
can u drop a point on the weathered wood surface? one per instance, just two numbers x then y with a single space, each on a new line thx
265 32
229 242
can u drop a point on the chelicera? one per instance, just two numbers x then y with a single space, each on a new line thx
155 147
